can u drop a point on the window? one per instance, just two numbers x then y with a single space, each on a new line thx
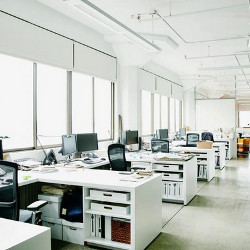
146 115
103 109
244 118
164 112
172 115
157 112
82 103
16 102
51 104
177 115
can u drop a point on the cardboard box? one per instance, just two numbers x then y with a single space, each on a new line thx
205 144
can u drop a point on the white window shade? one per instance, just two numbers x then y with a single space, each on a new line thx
177 92
163 86
94 63
146 81
25 40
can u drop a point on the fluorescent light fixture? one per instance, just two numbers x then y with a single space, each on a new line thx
111 23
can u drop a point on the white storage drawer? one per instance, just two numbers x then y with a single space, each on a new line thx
109 195
163 167
52 209
141 164
122 209
168 176
202 162
73 232
200 155
55 225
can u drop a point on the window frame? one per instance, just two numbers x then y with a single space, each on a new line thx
36 143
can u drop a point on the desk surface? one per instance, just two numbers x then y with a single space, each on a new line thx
14 233
84 177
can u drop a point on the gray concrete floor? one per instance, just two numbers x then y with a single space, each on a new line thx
218 218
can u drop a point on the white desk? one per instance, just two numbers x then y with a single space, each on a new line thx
184 186
228 146
22 236
145 202
220 155
205 161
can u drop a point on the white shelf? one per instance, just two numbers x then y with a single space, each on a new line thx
173 179
107 200
174 199
90 211
104 242
177 171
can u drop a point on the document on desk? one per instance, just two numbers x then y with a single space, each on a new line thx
133 178
44 169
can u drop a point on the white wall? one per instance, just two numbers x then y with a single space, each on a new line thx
189 109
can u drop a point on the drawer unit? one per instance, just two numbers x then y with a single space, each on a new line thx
109 195
167 167
73 232
121 209
52 209
168 176
55 225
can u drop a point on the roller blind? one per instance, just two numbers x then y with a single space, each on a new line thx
94 63
177 92
22 39
146 81
163 86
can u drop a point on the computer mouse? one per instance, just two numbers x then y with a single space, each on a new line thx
103 159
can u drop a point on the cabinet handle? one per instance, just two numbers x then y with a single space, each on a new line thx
50 202
107 194
73 228
166 166
110 208
50 223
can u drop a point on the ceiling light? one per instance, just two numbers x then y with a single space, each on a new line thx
111 23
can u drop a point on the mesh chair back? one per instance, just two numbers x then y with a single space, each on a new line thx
207 136
117 159
192 139
9 191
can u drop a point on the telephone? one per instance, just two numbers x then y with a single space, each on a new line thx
50 158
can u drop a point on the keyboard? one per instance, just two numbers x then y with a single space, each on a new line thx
90 161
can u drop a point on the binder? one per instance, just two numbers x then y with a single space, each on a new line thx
98 226
92 224
107 228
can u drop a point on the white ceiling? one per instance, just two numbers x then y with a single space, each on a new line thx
203 29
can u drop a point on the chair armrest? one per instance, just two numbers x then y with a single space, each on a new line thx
37 205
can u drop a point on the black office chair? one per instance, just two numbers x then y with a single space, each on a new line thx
117 158
192 139
207 136
9 199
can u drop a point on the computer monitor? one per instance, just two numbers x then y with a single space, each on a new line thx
182 132
162 134
158 145
68 144
192 139
86 142
130 137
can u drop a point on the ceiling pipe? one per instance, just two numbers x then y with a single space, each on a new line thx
189 13
200 41
225 68
214 56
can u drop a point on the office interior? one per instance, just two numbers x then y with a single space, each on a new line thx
134 115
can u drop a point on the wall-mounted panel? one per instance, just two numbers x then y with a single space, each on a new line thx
94 63
215 114
146 81
22 39
163 87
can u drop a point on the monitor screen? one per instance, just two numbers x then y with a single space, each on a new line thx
68 144
182 131
130 137
159 146
162 134
86 142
